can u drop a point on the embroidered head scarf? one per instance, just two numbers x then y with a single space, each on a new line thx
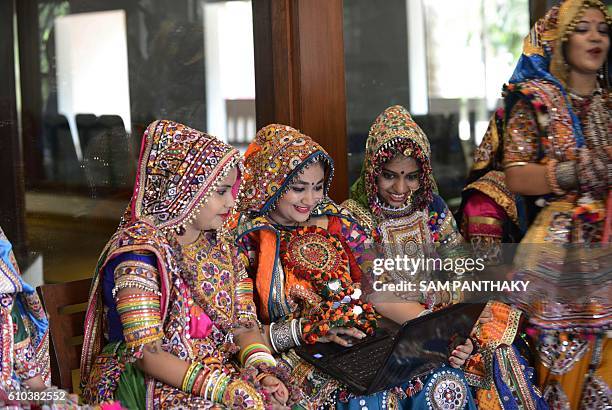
394 132
178 170
275 157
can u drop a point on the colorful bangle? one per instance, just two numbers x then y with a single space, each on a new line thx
251 349
197 384
295 332
220 386
260 357
205 379
212 377
215 388
190 376
141 318
271 336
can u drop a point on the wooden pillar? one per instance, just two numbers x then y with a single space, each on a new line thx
299 73
12 193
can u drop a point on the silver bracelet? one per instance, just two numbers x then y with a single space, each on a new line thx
294 331
566 175
271 331
282 336
300 334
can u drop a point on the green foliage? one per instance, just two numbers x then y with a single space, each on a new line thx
507 30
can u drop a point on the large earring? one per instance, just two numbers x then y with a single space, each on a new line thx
409 199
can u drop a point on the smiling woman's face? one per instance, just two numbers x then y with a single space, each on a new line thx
304 193
398 179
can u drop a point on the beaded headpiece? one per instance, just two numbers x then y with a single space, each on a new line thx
394 132
179 168
275 157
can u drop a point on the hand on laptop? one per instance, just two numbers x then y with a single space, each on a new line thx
460 354
335 335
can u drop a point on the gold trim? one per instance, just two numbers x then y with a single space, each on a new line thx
363 217
492 184
515 164
484 220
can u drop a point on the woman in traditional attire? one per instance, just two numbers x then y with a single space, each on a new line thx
395 197
169 293
490 214
307 256
24 330
396 186
557 145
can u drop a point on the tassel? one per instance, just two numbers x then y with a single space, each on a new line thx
252 150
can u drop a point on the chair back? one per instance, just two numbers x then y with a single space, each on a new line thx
65 304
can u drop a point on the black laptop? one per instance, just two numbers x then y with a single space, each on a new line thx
395 354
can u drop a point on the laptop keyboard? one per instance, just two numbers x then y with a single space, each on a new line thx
363 363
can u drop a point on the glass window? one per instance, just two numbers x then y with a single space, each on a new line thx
444 60
106 69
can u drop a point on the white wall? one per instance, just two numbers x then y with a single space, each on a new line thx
229 59
92 67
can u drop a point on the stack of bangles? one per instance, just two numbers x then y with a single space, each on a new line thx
258 357
141 320
207 382
285 335
255 354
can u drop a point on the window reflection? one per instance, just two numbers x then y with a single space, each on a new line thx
106 69
444 60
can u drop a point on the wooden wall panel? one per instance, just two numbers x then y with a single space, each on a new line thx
322 86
